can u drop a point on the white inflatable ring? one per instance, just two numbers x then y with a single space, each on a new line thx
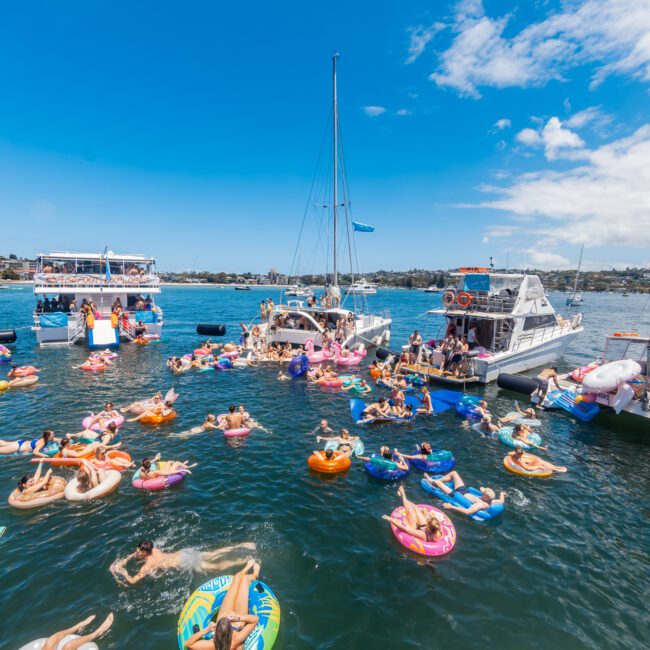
110 482
39 643
610 376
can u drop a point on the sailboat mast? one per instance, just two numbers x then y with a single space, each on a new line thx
575 284
335 111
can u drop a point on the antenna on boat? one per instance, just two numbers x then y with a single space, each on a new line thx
491 263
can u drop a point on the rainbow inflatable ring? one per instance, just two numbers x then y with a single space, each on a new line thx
203 606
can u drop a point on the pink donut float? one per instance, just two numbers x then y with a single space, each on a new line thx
230 355
158 483
231 433
202 352
330 383
25 371
118 421
440 547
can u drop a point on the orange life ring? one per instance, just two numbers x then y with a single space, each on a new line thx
339 463
464 299
448 298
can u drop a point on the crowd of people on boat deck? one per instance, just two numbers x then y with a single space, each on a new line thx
68 304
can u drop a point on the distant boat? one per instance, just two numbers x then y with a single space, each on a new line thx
242 287
432 289
362 288
576 299
4 286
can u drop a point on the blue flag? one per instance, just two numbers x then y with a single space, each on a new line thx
362 227
108 265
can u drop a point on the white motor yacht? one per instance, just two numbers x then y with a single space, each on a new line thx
64 281
514 324
362 288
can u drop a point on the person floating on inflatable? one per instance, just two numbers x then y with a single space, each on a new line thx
419 523
529 414
532 463
234 624
483 502
69 639
344 439
156 560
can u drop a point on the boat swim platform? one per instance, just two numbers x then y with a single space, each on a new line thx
435 374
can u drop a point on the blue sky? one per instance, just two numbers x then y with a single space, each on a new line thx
191 130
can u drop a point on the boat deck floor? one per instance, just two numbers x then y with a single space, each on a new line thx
435 374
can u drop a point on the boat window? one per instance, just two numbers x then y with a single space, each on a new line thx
533 322
504 283
534 290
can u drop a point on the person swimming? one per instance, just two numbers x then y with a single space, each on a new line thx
155 560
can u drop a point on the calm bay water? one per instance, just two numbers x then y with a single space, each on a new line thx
566 566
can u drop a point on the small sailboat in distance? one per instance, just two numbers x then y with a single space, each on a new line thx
576 298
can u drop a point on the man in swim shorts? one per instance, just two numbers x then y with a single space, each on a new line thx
487 498
543 380
189 559
234 419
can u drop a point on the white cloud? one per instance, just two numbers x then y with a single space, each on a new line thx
373 111
611 35
420 38
603 202
402 112
529 137
593 115
556 140
545 259
503 123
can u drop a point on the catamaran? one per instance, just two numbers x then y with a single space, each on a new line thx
515 327
297 322
63 280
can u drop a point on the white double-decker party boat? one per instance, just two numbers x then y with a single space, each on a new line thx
514 326
298 321
65 281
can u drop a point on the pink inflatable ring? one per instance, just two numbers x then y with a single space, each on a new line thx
231 433
158 483
118 422
440 547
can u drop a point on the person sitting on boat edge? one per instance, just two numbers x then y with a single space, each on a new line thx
488 496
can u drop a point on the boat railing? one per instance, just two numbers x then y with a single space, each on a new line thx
542 334
73 280
483 301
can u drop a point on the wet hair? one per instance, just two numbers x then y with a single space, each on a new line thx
48 434
387 453
64 443
329 453
223 634
210 417
554 368
422 448
382 400
83 481
519 451
145 546
22 484
517 430
146 464
169 403
108 404
231 408
112 427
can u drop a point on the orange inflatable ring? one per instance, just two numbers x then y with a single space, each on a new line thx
464 299
158 419
339 463
62 461
375 373
110 456
448 298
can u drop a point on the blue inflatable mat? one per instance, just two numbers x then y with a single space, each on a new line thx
565 399
457 499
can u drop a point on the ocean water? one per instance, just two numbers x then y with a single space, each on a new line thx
565 567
